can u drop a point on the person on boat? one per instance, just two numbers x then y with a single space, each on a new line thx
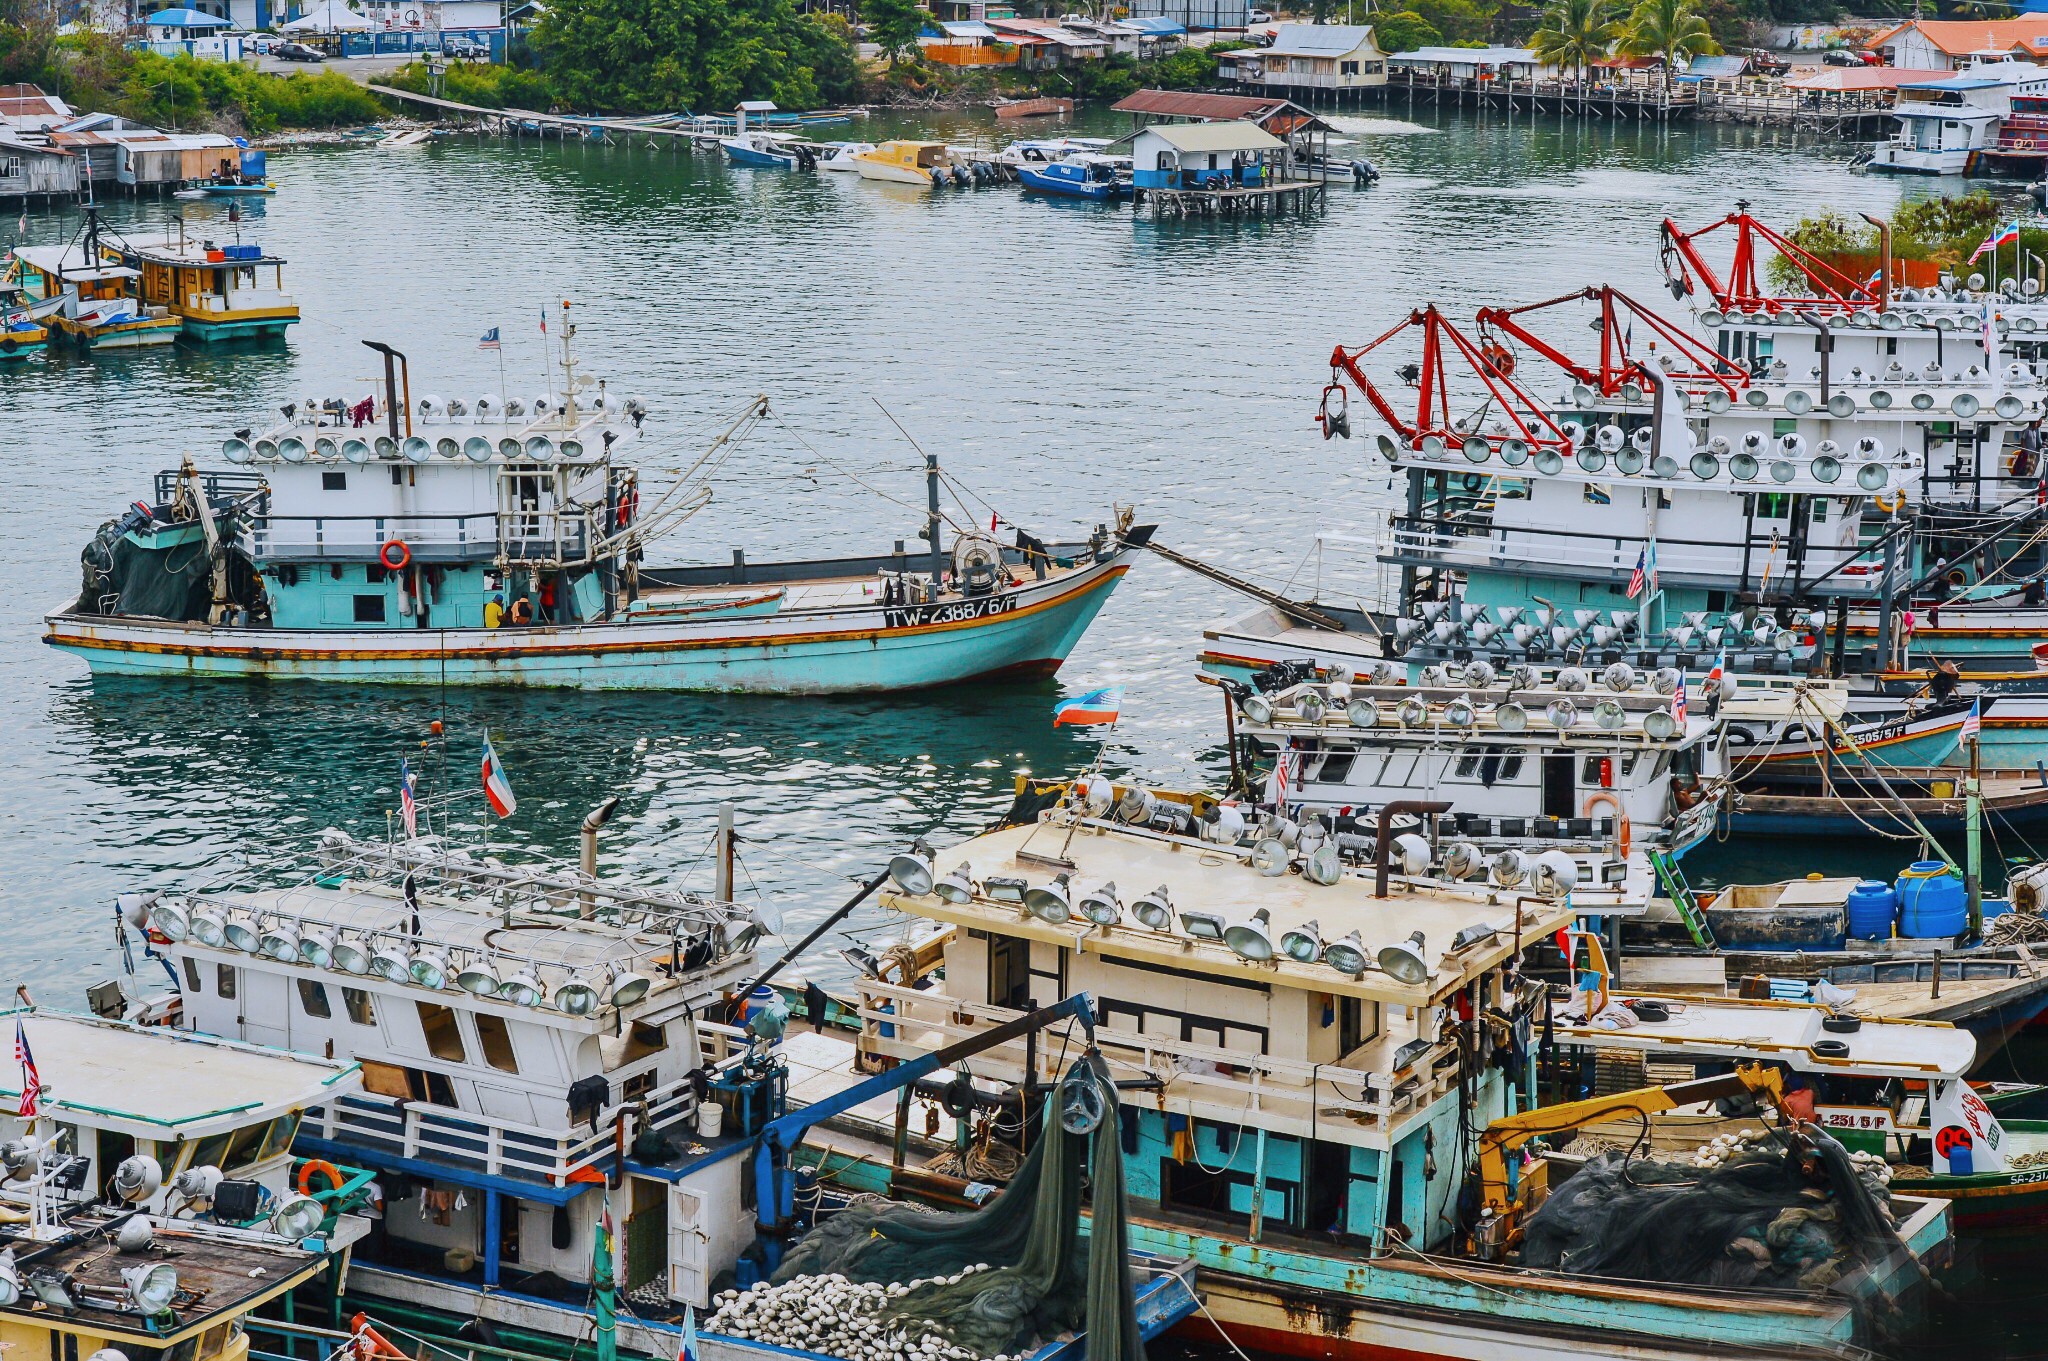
522 612
2035 591
546 613
494 612
2027 461
1943 680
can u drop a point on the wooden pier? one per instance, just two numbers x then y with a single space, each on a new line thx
1261 200
1619 100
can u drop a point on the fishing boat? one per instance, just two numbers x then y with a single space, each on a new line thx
926 164
479 991
501 542
88 297
769 150
1084 176
218 291
1315 1030
22 332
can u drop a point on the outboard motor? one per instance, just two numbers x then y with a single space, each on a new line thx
1363 172
960 176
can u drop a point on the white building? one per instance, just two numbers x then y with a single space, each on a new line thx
1311 57
1474 63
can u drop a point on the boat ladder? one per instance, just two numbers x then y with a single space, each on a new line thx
1673 880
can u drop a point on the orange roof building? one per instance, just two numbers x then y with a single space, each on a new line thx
1945 44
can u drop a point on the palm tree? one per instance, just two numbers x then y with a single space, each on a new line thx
1670 29
1575 33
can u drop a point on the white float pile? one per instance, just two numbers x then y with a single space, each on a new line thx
1727 1147
838 1317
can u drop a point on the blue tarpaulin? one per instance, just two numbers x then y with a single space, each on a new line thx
1154 26
184 18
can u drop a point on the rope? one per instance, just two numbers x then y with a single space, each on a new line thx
1933 845
2015 928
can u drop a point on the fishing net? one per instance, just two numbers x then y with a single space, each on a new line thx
1041 1283
1766 1217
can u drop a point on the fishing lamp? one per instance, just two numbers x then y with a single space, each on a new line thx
1509 868
1413 712
1464 860
209 927
196 1186
242 935
1252 939
1609 714
1223 824
1413 853
1347 956
278 941
389 963
1097 794
1511 717
1258 709
477 979
1323 865
1403 960
1137 806
1154 909
172 920
1049 902
629 987
1202 925
10 1280
138 1178
957 887
1556 874
913 870
1312 707
1270 857
1659 725
521 989
349 956
1100 905
576 998
1460 712
429 968
152 1287
297 1217
1362 713
1303 944
316 946
1562 713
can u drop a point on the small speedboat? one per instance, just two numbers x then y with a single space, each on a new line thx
930 164
1084 176
843 157
235 188
769 150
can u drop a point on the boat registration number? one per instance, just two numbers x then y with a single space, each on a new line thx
950 612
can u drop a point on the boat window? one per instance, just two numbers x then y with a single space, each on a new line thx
1468 763
334 482
278 1138
1334 767
358 1003
1511 765
1595 494
209 1151
444 1038
496 1038
244 1146
213 1340
192 975
369 609
180 1351
1820 509
224 982
313 997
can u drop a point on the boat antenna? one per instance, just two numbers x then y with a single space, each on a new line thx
931 496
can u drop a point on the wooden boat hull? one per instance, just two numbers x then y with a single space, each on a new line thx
740 154
133 335
222 331
1026 631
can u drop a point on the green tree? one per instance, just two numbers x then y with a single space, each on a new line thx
1575 33
1459 21
632 56
1404 31
1670 29
893 25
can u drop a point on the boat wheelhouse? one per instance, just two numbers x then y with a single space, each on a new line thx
218 292
1083 175
1946 126
501 541
99 306
926 164
1307 1036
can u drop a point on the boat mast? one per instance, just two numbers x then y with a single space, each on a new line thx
931 520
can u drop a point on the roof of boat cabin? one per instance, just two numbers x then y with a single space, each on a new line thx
1785 1032
218 1275
191 251
1211 878
1200 137
70 262
154 1082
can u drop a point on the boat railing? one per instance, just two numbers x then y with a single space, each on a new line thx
1424 540
1199 1080
491 1145
537 537
215 486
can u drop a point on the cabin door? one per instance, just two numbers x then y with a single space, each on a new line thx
266 1009
689 1276
646 1233
1559 788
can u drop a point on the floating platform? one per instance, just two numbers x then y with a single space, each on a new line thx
1253 201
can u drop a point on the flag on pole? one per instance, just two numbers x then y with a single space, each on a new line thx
689 1351
543 321
1717 674
1097 706
497 789
1973 725
1876 278
1276 784
31 1080
1644 577
489 341
408 802
1678 700
2000 236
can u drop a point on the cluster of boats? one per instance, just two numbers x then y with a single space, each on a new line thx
1411 1039
1070 167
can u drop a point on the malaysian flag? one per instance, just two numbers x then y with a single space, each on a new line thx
490 339
31 1080
408 802
1973 725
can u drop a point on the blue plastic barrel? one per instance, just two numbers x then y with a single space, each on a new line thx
1873 907
757 1000
1931 901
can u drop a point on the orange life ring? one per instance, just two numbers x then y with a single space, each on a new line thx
394 555
1613 801
326 1169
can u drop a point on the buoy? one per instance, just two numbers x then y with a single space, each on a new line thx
394 554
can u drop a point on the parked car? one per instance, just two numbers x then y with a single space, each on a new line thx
263 44
1257 16
1842 56
465 48
297 52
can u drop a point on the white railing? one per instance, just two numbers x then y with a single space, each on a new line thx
523 536
1506 546
1348 1105
490 1145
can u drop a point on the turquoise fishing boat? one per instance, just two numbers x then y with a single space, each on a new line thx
502 542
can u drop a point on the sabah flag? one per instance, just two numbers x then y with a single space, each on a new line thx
1097 706
497 789
689 1350
2001 236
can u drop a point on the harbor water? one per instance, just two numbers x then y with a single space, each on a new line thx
1058 357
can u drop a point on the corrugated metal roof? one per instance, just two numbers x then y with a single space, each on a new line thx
1175 104
1716 67
967 28
1232 136
1856 77
1319 40
1469 56
1157 25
